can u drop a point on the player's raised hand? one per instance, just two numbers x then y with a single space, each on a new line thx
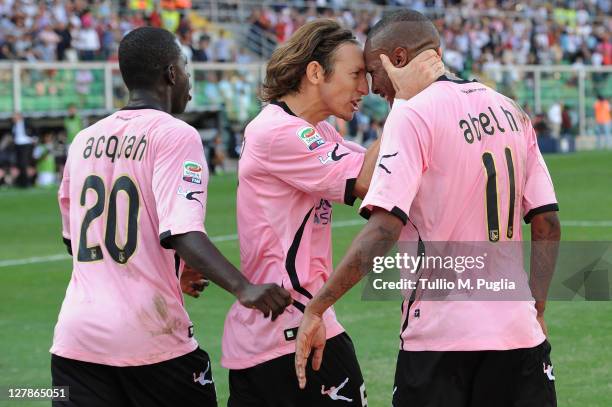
192 282
418 74
311 337
268 298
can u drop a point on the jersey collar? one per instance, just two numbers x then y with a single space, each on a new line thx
460 81
140 107
284 106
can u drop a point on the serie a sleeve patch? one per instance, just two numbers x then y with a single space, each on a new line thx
192 172
310 137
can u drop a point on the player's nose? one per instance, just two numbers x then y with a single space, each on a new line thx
363 87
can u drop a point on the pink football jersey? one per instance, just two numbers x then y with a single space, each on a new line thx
289 174
460 162
131 180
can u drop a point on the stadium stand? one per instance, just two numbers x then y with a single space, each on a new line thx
60 52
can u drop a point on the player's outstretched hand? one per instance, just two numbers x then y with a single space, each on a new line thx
310 337
192 282
418 74
268 298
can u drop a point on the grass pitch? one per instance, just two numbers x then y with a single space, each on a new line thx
580 332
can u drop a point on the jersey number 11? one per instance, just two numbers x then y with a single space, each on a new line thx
491 195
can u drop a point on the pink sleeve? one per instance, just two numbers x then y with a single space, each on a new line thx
402 160
333 134
180 177
301 157
351 145
63 196
539 194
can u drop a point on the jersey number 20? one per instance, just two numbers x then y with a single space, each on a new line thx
119 254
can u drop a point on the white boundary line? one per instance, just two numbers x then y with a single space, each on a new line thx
588 223
231 238
216 239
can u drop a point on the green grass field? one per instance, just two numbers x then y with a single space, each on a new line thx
580 332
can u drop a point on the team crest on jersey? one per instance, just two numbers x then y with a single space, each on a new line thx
192 172
310 137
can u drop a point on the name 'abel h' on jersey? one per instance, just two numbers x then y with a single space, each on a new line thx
115 147
472 126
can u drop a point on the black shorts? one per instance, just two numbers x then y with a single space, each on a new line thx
517 377
274 384
183 381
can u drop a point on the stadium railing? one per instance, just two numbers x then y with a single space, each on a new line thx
47 89
96 88
539 87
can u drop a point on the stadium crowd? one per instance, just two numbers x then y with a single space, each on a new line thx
474 33
66 30
478 37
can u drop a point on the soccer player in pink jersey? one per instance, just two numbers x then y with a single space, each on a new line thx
458 162
133 201
293 166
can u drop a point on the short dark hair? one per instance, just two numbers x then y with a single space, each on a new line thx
144 53
396 17
314 41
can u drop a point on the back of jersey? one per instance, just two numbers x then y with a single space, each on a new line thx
459 163
472 161
131 180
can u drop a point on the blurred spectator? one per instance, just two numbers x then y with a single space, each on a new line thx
23 150
44 154
555 118
244 57
185 40
605 49
212 94
7 49
540 125
8 162
83 80
107 42
372 133
73 123
374 107
224 48
216 156
65 42
202 52
87 40
49 40
567 124
603 122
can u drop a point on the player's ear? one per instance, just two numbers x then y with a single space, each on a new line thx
399 57
314 72
439 51
170 74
